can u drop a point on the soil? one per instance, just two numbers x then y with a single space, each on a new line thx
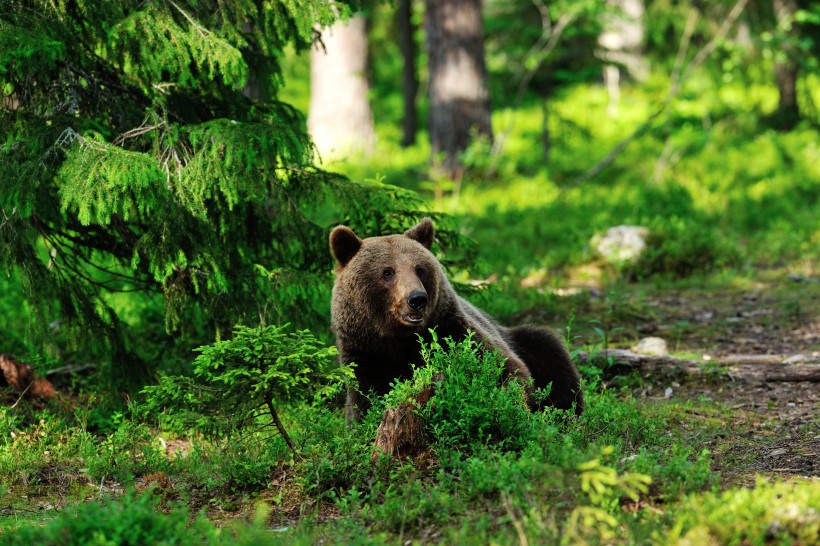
768 428
773 427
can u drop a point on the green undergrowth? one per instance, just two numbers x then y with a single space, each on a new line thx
717 188
625 471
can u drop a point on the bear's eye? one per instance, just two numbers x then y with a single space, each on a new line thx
420 271
388 273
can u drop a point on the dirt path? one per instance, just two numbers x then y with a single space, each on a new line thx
770 428
773 427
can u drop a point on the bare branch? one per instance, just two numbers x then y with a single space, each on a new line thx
674 89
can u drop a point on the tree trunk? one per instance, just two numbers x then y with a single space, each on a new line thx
459 97
20 376
620 43
786 67
340 120
410 79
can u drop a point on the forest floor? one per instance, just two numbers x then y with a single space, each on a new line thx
761 427
752 428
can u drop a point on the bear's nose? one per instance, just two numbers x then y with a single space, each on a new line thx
417 300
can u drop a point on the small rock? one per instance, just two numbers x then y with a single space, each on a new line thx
777 453
791 404
621 244
706 316
668 392
655 346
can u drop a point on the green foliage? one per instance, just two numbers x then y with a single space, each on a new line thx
236 380
132 520
557 475
8 424
13 311
338 457
134 160
540 48
133 449
469 406
680 469
770 513
680 248
43 455
230 466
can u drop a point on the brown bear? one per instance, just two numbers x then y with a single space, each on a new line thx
390 289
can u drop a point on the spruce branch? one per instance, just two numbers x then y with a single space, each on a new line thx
199 28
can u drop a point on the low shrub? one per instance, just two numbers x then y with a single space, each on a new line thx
678 248
771 513
471 403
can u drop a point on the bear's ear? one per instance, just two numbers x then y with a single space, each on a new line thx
423 232
344 244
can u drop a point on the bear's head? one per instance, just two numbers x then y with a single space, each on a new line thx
390 284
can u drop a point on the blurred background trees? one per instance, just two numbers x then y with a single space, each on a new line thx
339 119
459 97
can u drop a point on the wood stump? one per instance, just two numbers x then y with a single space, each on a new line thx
401 432
20 376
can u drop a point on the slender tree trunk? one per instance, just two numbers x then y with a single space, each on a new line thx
786 67
340 120
459 97
410 79
280 427
620 43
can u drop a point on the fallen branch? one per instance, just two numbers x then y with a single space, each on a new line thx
70 370
754 368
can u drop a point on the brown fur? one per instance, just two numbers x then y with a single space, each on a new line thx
377 318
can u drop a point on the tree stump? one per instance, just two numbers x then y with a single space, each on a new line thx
401 432
20 376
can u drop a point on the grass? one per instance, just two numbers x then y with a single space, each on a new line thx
628 471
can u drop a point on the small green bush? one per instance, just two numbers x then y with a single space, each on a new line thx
256 372
678 248
45 453
771 513
338 457
236 464
132 450
130 521
677 470
471 404
8 424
